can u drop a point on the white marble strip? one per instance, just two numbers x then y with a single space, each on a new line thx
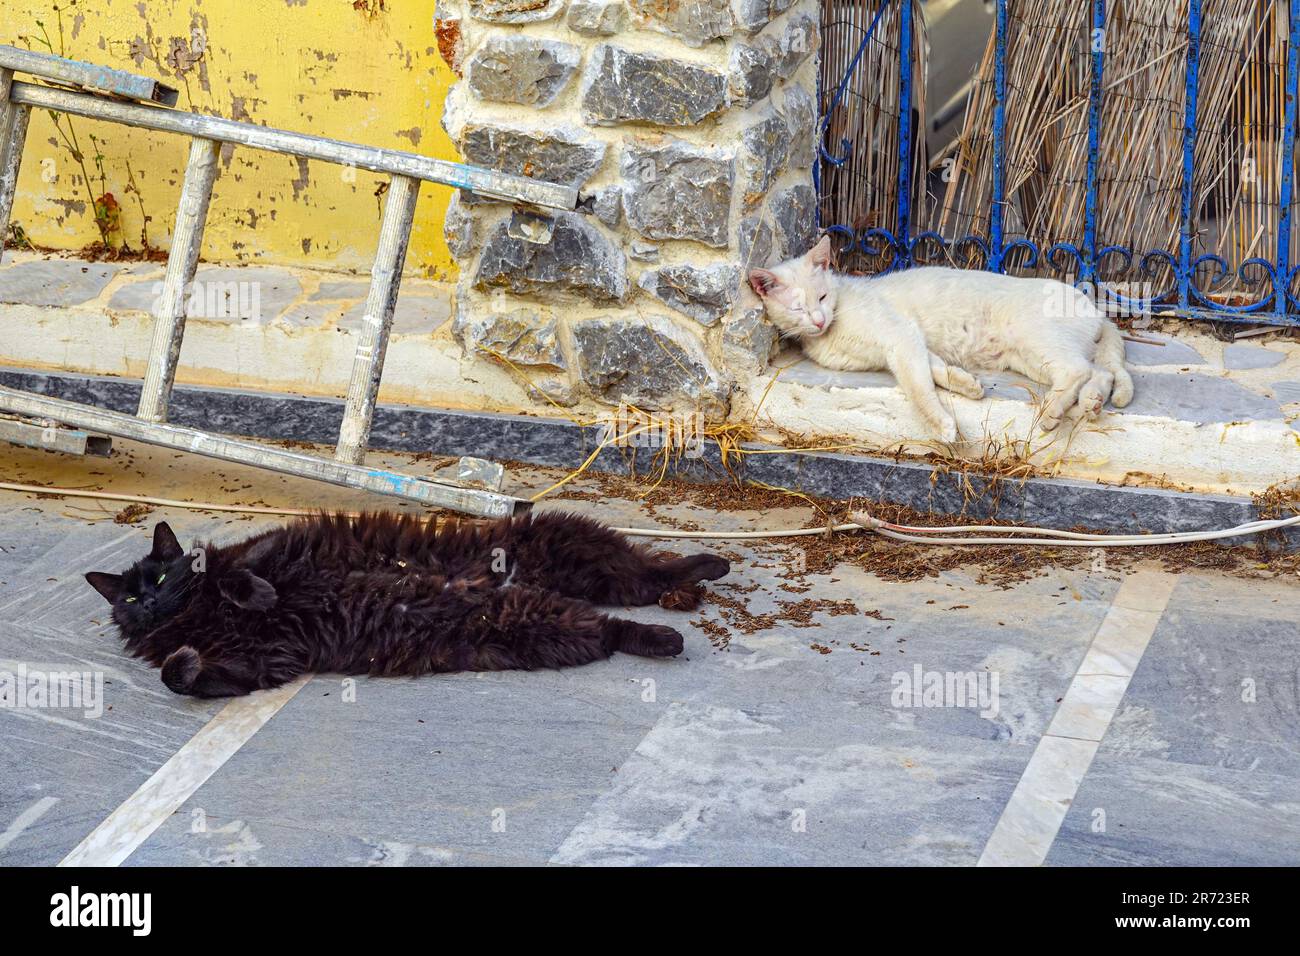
25 820
174 782
1037 807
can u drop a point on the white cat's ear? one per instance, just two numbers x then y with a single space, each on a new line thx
764 281
821 254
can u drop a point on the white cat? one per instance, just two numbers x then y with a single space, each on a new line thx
929 325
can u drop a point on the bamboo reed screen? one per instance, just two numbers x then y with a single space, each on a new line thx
863 192
1238 161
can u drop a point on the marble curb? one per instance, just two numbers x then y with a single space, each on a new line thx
1050 502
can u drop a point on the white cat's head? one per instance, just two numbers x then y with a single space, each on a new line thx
799 294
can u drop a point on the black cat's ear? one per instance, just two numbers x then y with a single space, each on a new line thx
246 590
108 585
165 545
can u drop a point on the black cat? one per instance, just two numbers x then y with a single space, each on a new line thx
394 595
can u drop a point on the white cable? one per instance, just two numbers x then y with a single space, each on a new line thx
884 529
737 535
1154 537
862 521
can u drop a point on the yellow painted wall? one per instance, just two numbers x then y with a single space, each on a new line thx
361 70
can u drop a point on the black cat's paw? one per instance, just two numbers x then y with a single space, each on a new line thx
709 567
246 590
652 640
181 670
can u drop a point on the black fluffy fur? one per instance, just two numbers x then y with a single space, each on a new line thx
394 595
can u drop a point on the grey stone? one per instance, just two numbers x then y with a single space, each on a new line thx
754 67
414 315
1251 356
1198 398
54 282
648 362
750 72
756 242
458 228
678 191
706 295
592 18
524 336
1172 352
332 291
765 151
579 259
514 11
747 341
694 22
510 69
801 116
625 87
1286 392
558 156
794 214
796 44
753 15
222 294
608 206
643 251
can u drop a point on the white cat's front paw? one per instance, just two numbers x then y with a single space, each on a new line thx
947 430
965 384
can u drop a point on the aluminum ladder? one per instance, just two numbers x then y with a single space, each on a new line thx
116 96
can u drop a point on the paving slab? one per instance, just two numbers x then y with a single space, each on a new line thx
254 295
1159 813
1217 685
55 282
1238 356
721 785
1170 352
75 765
1190 397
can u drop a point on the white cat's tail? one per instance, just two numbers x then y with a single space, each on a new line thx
1110 356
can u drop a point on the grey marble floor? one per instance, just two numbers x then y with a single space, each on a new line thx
790 746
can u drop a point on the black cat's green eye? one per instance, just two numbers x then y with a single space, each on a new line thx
162 577
130 600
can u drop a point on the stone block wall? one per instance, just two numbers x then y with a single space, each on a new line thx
689 126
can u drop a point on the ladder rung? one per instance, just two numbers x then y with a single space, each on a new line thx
385 284
182 263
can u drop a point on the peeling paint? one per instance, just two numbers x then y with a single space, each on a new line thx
309 67
303 179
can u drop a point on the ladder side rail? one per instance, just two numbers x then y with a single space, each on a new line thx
485 504
485 182
63 70
14 118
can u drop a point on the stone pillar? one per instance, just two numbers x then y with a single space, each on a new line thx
690 125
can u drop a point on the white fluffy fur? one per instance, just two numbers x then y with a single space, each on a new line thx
930 325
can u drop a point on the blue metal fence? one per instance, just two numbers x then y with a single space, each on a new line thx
1083 261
